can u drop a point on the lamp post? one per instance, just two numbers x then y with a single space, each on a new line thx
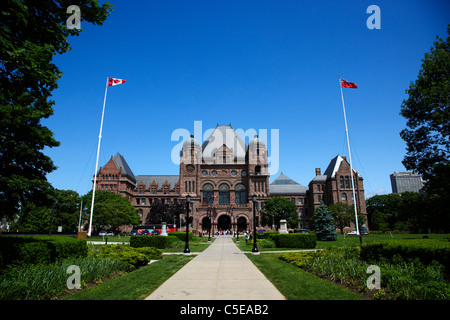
255 248
188 203
237 228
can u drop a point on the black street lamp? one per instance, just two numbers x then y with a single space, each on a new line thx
188 203
255 248
237 228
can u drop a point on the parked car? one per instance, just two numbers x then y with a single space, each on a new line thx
363 231
149 233
304 231
105 233
133 233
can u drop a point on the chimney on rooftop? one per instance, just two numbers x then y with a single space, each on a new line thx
318 172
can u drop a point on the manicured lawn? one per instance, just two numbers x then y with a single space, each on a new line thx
343 240
135 285
296 284
123 239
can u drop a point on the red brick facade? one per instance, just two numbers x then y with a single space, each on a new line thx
221 179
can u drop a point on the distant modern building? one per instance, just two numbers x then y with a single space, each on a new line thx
406 181
221 175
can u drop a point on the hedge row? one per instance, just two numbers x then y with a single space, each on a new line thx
159 242
181 235
426 250
32 250
268 234
294 240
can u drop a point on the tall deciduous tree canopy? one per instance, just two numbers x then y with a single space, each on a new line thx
275 208
427 112
65 205
31 33
111 210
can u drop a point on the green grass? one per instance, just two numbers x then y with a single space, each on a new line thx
296 284
123 239
135 285
197 244
343 241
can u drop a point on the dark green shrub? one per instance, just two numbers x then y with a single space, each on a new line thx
159 242
150 253
172 241
25 250
295 240
268 234
66 247
135 257
297 258
266 243
35 252
181 235
425 250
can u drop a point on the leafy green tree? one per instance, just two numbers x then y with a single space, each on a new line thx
31 33
65 205
160 212
110 210
427 135
389 212
275 208
324 224
342 214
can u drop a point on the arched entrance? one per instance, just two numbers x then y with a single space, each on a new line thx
241 224
206 224
224 223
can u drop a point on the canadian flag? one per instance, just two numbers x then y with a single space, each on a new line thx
115 82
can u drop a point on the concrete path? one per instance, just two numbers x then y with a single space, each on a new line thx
221 272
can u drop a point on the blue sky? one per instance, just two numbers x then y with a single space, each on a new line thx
263 64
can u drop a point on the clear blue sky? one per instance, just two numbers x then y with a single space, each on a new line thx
257 64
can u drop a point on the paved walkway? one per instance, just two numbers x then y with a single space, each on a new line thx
221 272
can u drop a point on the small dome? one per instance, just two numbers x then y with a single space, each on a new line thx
256 142
191 142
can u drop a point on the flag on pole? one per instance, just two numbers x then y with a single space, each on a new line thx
115 82
110 82
346 84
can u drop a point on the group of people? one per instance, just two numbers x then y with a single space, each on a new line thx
246 234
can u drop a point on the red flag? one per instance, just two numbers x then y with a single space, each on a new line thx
115 82
346 84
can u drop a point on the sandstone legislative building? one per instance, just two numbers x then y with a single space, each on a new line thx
222 175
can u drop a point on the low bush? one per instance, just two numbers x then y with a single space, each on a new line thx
159 242
49 281
266 243
180 235
400 280
268 234
425 250
31 250
296 258
135 257
294 240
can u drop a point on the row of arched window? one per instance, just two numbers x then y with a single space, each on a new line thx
239 197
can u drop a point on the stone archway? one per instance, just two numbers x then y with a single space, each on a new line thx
242 224
224 223
206 224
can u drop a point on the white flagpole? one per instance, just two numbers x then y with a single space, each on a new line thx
96 163
79 220
350 158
